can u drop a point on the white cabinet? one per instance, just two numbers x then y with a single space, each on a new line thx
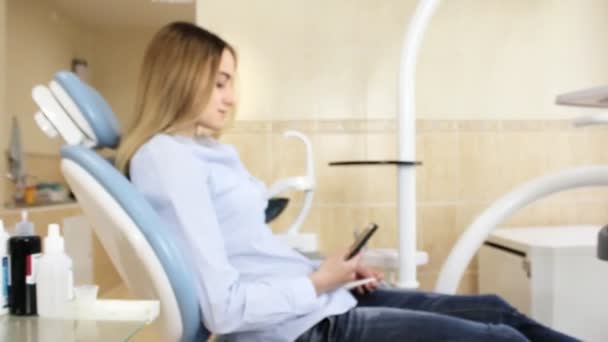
551 274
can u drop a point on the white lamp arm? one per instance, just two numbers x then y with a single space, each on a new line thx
303 183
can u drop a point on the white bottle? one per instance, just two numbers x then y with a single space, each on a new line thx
3 270
54 279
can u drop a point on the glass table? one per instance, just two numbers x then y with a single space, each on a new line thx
115 321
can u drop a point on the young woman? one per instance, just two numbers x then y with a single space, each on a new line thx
250 286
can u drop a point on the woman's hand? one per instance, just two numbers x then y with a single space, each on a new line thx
334 272
363 272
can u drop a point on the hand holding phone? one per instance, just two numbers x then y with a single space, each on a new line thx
361 240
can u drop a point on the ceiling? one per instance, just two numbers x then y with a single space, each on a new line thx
125 13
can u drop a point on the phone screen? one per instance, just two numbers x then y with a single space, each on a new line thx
361 240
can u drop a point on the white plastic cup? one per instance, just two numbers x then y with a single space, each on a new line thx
85 297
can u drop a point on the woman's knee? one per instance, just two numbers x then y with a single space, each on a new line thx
497 302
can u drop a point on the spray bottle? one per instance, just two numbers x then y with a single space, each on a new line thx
24 251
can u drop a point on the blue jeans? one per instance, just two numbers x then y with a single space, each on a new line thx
399 315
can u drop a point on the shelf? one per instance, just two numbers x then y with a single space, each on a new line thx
12 208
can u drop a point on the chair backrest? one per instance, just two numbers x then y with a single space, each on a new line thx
138 243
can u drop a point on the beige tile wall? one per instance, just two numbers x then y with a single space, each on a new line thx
467 165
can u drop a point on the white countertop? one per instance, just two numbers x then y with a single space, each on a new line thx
524 238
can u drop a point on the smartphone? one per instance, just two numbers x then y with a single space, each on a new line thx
361 240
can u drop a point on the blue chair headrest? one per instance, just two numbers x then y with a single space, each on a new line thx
95 110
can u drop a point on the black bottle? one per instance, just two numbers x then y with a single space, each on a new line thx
24 251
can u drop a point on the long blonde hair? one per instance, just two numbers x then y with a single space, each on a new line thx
176 81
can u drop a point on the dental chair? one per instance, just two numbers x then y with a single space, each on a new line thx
139 245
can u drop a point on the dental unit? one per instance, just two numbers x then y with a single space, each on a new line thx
462 253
